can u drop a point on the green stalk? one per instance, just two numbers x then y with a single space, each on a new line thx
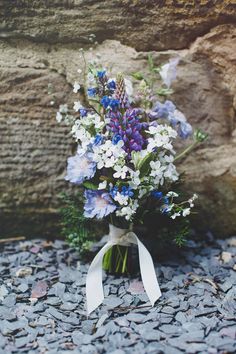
188 149
124 267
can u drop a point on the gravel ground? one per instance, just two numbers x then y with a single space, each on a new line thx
42 303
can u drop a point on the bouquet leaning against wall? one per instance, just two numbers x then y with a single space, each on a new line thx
125 157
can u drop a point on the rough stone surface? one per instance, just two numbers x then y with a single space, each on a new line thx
36 42
145 25
53 318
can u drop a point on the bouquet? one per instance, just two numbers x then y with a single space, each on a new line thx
125 156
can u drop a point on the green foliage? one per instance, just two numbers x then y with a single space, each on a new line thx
75 226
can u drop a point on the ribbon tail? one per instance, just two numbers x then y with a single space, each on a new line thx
94 287
147 270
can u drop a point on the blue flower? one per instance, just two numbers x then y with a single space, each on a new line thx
185 130
101 74
114 191
92 91
105 101
127 191
162 110
108 102
83 112
80 167
98 139
157 195
116 138
114 103
98 204
111 85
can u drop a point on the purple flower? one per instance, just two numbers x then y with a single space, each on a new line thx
98 204
92 91
80 167
129 127
83 112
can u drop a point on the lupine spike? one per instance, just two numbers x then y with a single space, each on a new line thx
120 92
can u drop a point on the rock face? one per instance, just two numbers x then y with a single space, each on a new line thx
38 64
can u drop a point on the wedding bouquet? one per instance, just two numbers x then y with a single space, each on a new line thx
125 155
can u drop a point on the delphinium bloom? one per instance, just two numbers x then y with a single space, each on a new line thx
80 167
98 204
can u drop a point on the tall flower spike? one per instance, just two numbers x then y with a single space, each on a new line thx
120 92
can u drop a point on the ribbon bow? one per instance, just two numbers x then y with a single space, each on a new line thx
123 237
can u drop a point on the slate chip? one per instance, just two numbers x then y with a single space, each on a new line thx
191 317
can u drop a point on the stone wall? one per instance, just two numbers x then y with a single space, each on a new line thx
39 53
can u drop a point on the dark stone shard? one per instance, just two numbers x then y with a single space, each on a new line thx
100 332
57 289
136 317
53 300
9 300
111 302
56 314
181 317
101 320
23 287
21 342
69 297
192 326
167 272
3 341
68 306
170 329
122 321
88 326
168 310
226 285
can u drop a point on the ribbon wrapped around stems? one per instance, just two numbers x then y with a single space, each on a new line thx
122 237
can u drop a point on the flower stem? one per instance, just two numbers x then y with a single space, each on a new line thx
188 149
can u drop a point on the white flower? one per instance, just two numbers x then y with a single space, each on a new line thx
129 210
129 88
90 78
121 199
121 171
172 194
59 117
186 211
76 87
108 155
77 106
135 180
168 71
63 108
79 71
102 185
173 216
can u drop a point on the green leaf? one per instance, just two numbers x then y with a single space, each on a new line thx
144 164
164 92
90 185
150 62
138 76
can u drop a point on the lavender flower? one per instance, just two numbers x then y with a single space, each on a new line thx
98 204
168 71
162 110
80 167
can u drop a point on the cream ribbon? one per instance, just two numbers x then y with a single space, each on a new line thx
123 237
